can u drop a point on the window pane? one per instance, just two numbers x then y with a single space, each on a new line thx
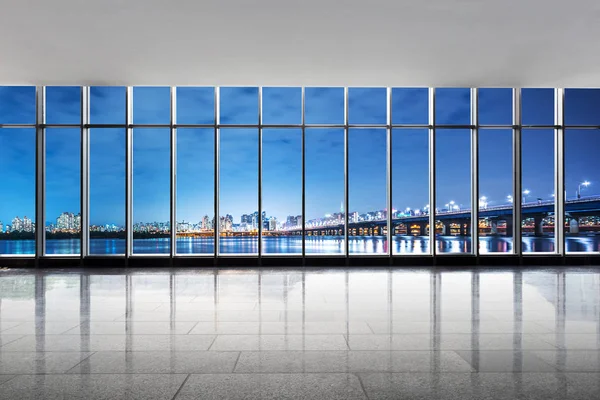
63 179
453 190
537 160
453 106
195 105
367 217
495 191
151 190
324 163
238 191
537 106
151 105
282 105
495 106
582 106
17 176
195 191
107 191
282 191
367 106
239 105
582 184
410 106
17 104
63 105
107 104
324 105
410 191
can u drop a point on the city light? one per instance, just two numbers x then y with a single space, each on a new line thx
585 184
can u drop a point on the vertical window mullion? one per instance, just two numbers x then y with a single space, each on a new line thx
346 177
85 172
40 201
474 173
129 172
303 122
432 177
173 180
260 217
517 173
216 219
389 154
559 164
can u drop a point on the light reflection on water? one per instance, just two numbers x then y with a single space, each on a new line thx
314 245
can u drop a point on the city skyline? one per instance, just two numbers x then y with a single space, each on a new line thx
282 151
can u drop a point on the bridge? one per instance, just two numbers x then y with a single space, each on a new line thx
459 221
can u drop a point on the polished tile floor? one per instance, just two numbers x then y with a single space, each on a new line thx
313 333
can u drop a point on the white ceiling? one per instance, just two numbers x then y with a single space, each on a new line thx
302 42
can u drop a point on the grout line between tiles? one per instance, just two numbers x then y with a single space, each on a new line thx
362 386
192 328
5 382
181 387
236 362
212 343
82 360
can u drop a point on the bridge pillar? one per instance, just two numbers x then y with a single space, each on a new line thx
493 227
539 229
574 225
444 229
465 229
509 227
422 229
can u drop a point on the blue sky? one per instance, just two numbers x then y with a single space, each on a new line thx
282 150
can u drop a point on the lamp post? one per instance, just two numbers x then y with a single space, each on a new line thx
525 193
584 184
483 202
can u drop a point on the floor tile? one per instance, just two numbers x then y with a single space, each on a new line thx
46 328
505 361
463 386
352 361
573 341
280 328
8 338
572 360
39 363
92 387
272 386
390 342
133 328
158 362
111 343
5 378
582 386
4 325
278 342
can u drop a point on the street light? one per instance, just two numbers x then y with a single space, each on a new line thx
525 193
483 202
584 184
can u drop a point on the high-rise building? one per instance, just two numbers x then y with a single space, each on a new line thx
27 224
16 225
206 223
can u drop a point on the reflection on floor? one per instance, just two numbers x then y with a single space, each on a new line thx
313 333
